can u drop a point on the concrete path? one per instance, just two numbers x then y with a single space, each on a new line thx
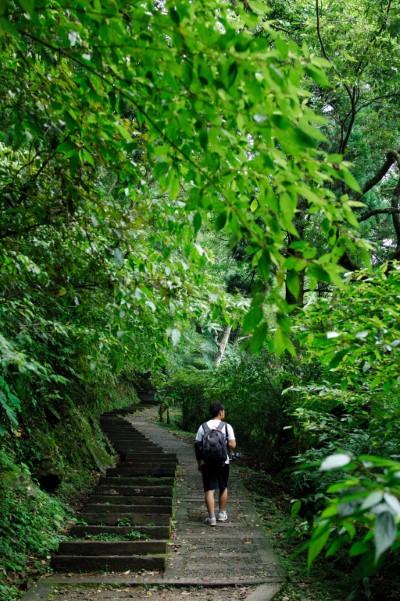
233 553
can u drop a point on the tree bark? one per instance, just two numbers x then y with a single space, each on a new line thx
222 345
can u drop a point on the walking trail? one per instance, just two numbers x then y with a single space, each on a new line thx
232 559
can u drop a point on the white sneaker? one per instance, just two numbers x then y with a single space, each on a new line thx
211 521
222 516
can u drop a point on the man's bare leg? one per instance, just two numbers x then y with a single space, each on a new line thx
223 499
209 499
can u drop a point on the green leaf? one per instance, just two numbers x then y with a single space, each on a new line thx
316 271
350 179
337 359
287 205
118 257
318 541
27 5
88 157
318 75
385 533
359 548
173 183
264 265
335 546
221 220
252 319
197 222
335 461
293 283
295 508
259 337
3 7
373 499
257 6
175 335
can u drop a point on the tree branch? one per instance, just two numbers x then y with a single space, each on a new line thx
321 43
393 156
381 211
395 202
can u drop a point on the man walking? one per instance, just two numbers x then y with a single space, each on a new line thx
215 469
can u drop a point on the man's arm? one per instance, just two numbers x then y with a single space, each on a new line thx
198 439
231 437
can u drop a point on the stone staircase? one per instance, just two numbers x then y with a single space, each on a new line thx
126 521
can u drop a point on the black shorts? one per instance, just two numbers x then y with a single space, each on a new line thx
215 477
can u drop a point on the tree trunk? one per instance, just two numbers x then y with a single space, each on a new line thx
222 345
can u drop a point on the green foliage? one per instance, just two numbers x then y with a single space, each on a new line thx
30 525
250 387
362 48
192 389
59 448
347 412
126 132
356 331
219 118
363 512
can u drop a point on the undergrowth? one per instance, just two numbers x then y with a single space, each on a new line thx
47 468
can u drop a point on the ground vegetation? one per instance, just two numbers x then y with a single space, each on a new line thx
180 198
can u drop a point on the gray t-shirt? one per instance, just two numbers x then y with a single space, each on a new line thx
213 424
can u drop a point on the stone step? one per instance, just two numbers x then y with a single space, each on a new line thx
70 563
140 471
122 429
157 453
121 426
147 396
131 456
146 509
126 437
125 519
123 449
137 445
131 445
149 464
154 532
122 411
91 548
124 434
130 500
149 455
144 481
130 491
128 449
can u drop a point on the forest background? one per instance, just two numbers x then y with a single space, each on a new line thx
207 192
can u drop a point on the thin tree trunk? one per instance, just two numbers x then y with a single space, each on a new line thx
222 345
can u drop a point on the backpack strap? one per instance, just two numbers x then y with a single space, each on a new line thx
220 427
206 427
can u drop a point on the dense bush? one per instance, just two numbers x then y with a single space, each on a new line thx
251 388
29 522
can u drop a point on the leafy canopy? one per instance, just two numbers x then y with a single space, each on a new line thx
184 95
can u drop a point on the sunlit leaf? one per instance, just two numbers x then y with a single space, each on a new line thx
335 461
385 533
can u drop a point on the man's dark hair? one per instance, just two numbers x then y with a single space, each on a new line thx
215 408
